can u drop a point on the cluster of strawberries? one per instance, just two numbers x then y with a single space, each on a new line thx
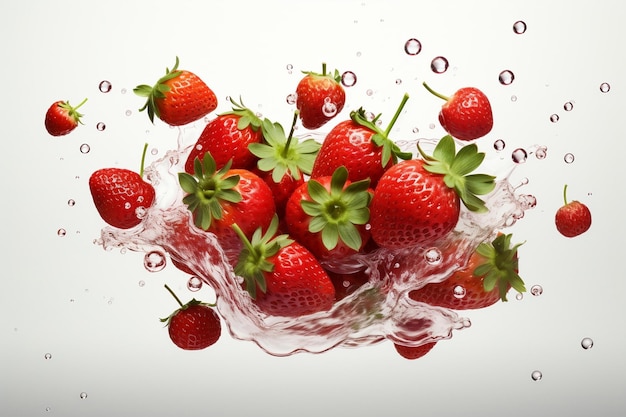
293 208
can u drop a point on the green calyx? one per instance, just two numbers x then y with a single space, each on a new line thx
208 189
192 302
455 168
335 212
157 91
72 111
253 260
246 116
283 154
391 151
501 266
335 75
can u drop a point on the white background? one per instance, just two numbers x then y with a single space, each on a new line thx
68 297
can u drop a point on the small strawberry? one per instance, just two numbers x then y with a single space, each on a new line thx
282 276
328 215
61 118
194 325
489 274
178 98
466 115
414 352
121 195
573 218
320 97
417 202
359 145
227 138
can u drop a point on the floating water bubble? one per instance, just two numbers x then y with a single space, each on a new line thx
459 292
519 27
142 283
71 202
154 151
123 91
568 158
432 126
536 290
289 68
358 54
536 375
433 256
605 87
83 395
568 106
292 98
554 118
101 126
61 232
541 152
499 145
48 409
398 81
519 296
513 98
506 77
47 356
329 109
154 261
416 130
586 343
519 155
85 148
348 79
194 284
369 92
128 112
439 65
412 47
105 86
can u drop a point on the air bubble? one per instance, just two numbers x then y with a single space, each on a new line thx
348 79
329 109
519 156
412 47
292 98
433 256
369 92
398 81
541 152
61 232
154 151
605 87
519 296
568 158
586 343
554 118
47 356
123 91
142 283
128 112
154 261
105 86
519 27
513 98
506 77
101 126
536 290
568 106
499 145
71 202
459 292
83 395
85 148
536 375
194 284
439 65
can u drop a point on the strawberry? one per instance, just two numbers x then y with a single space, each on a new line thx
345 284
573 218
466 114
227 137
417 202
492 269
282 276
328 215
282 189
319 98
178 98
360 146
220 198
194 325
121 196
414 352
61 118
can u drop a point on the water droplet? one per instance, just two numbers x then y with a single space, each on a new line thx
398 81
519 156
506 77
292 98
348 79
71 202
47 356
499 145
568 106
142 283
128 112
105 86
432 126
154 151
519 296
61 232
154 261
83 395
194 284
127 205
48 409
554 118
605 87
519 27
123 91
412 46
536 290
433 256
568 158
541 152
513 98
536 375
439 65
358 54
459 292
101 126
329 109
289 68
369 92
85 148
586 343
416 130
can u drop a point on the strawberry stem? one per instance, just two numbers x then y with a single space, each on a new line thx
405 98
565 194
293 128
323 68
433 92
143 159
173 295
81 103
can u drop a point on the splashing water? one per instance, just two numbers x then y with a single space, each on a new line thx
379 310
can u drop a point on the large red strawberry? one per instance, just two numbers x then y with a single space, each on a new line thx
121 196
491 271
194 325
361 146
61 118
328 215
417 202
227 138
573 218
466 114
319 97
178 98
282 276
220 198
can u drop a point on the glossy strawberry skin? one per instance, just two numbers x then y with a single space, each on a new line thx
411 207
119 194
350 144
280 190
194 327
467 115
225 141
314 92
573 219
414 352
188 99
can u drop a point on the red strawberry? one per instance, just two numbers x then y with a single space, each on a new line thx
467 114
194 325
281 190
573 218
62 118
121 196
178 98
360 146
227 137
414 352
282 276
220 198
320 97
328 215
486 278
417 202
